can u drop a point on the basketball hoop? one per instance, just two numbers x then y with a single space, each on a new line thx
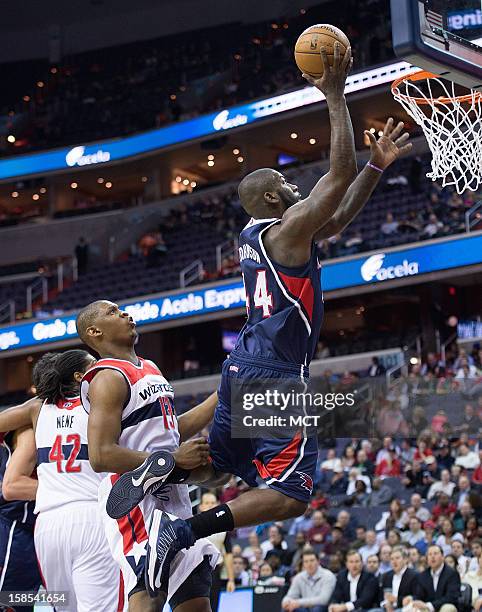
452 126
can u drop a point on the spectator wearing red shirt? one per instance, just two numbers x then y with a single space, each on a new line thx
320 529
422 451
390 465
477 475
230 492
444 507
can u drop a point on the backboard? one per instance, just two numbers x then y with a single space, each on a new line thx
441 36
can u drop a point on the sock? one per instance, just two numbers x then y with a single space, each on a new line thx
177 476
212 521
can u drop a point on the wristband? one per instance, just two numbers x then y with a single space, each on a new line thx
374 167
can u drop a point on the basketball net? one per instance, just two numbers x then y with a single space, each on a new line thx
451 124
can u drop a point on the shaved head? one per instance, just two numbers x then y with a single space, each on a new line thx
265 193
88 317
107 329
253 186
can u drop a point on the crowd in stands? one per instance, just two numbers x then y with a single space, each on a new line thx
120 90
416 528
193 229
395 521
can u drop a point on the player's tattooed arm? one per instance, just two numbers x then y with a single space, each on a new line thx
195 420
383 152
301 221
23 415
18 483
108 393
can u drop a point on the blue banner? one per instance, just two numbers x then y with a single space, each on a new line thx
357 271
100 153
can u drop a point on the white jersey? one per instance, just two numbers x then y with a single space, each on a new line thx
148 421
64 472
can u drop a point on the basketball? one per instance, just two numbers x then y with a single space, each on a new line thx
309 43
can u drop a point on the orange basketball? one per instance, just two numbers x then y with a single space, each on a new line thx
307 48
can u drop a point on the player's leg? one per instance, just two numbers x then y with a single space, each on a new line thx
95 575
200 604
53 547
141 602
18 562
193 594
127 538
259 505
287 467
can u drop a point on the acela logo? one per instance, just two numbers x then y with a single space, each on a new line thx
76 157
373 268
221 121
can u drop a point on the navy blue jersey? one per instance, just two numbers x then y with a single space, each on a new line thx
20 511
284 304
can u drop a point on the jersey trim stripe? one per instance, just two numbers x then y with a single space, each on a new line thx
302 289
7 554
43 453
150 411
253 221
276 466
89 375
278 280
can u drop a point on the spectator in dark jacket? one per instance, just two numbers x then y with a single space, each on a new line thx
438 587
356 589
400 582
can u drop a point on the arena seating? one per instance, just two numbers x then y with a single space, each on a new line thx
208 226
213 219
134 87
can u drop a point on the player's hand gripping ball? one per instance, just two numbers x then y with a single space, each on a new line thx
308 48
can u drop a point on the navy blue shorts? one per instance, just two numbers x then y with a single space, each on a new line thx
287 465
18 561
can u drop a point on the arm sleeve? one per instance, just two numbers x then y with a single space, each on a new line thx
228 547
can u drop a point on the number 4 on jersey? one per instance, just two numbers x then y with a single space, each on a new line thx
262 299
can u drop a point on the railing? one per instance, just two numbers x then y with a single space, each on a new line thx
38 288
445 344
402 367
473 216
7 312
226 249
389 374
191 273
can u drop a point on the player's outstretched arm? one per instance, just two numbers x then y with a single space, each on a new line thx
383 152
18 483
301 222
195 420
108 393
24 415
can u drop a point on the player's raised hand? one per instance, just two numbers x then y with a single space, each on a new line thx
192 454
390 146
332 82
